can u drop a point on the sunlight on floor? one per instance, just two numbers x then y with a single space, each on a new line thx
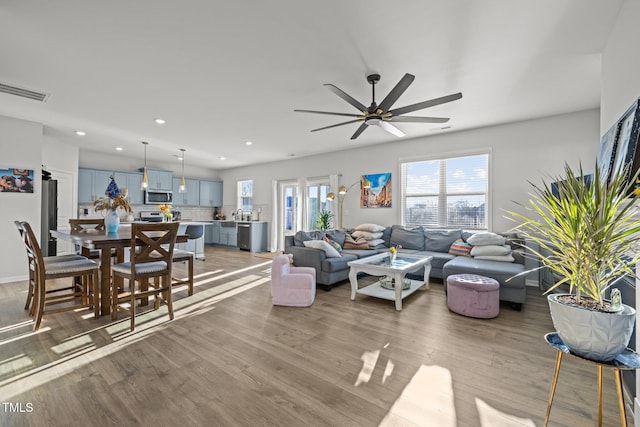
426 401
79 350
491 417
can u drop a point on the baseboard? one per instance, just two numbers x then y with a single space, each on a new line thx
530 282
13 279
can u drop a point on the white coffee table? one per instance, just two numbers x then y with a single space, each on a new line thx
380 265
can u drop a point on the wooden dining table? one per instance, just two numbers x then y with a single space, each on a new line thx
106 243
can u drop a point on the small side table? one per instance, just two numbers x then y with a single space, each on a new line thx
627 360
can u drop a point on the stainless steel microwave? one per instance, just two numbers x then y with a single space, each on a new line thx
158 197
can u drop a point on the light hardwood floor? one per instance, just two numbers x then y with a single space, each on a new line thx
230 358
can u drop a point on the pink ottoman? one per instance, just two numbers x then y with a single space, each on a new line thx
474 296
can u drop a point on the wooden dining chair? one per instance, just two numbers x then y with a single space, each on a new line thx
152 248
47 260
188 257
84 224
46 297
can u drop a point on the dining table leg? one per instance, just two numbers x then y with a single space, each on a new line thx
105 281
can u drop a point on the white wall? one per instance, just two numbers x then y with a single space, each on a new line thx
521 151
620 87
21 147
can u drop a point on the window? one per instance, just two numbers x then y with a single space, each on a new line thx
446 193
316 202
245 195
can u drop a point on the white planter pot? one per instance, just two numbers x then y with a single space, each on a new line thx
592 334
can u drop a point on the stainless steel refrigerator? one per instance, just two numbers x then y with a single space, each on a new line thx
49 220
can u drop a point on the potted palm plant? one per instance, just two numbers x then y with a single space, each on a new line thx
587 232
324 220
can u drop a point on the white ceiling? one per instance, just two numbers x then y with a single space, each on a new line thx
224 72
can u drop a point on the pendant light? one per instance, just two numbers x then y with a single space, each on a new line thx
145 180
183 187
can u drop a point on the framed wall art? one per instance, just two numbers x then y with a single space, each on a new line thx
379 194
16 180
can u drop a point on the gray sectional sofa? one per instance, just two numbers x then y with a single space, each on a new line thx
435 243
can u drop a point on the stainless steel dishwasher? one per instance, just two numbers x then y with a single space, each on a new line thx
244 236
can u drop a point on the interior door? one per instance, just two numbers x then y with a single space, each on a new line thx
66 205
287 211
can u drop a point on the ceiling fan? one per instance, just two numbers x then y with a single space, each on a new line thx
381 115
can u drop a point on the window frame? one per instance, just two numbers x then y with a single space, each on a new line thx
239 196
442 194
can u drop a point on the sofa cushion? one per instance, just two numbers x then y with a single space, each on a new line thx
439 258
460 248
386 236
501 271
300 237
337 236
372 228
440 240
359 253
332 265
329 250
407 238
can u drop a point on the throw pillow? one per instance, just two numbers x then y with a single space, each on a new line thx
335 245
375 243
486 238
407 238
503 258
371 228
440 240
460 248
324 246
491 250
351 243
367 234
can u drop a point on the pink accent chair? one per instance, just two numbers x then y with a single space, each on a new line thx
292 286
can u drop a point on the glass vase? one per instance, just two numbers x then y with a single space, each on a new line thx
111 221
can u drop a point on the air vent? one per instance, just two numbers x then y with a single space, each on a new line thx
25 93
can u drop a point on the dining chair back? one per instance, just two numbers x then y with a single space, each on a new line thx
66 298
47 260
152 246
88 224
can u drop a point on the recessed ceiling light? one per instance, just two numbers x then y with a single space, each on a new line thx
248 143
160 121
119 148
222 158
80 133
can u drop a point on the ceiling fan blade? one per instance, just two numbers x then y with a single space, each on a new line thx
426 104
359 131
328 112
391 129
346 97
410 119
339 124
396 92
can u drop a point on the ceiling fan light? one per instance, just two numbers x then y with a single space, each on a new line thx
374 121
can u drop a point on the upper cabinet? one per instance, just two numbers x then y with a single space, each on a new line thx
159 179
92 183
211 193
191 197
133 183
